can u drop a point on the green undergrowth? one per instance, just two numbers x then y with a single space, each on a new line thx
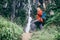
49 33
9 30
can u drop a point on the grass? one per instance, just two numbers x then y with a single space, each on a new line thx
45 34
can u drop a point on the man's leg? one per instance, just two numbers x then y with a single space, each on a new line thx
33 27
41 26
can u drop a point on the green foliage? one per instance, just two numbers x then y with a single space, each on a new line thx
5 10
9 30
21 17
45 34
57 3
8 10
50 6
57 37
52 18
34 11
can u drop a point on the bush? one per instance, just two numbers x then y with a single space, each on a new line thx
9 30
52 18
20 18
57 3
58 37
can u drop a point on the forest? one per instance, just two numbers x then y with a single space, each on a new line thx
14 16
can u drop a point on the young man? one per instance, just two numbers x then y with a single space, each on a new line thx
39 19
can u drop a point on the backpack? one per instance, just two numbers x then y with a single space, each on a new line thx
44 15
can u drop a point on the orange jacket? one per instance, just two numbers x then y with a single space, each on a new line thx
39 14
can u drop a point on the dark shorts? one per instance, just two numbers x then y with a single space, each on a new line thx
37 23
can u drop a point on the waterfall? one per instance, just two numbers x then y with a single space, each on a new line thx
29 18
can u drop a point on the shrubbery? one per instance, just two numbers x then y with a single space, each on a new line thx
57 3
9 30
53 18
57 37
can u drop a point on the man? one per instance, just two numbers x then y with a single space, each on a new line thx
39 19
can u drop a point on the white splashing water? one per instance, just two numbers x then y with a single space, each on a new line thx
29 18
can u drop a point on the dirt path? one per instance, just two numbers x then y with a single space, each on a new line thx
26 36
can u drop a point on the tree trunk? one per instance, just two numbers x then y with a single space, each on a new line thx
13 11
